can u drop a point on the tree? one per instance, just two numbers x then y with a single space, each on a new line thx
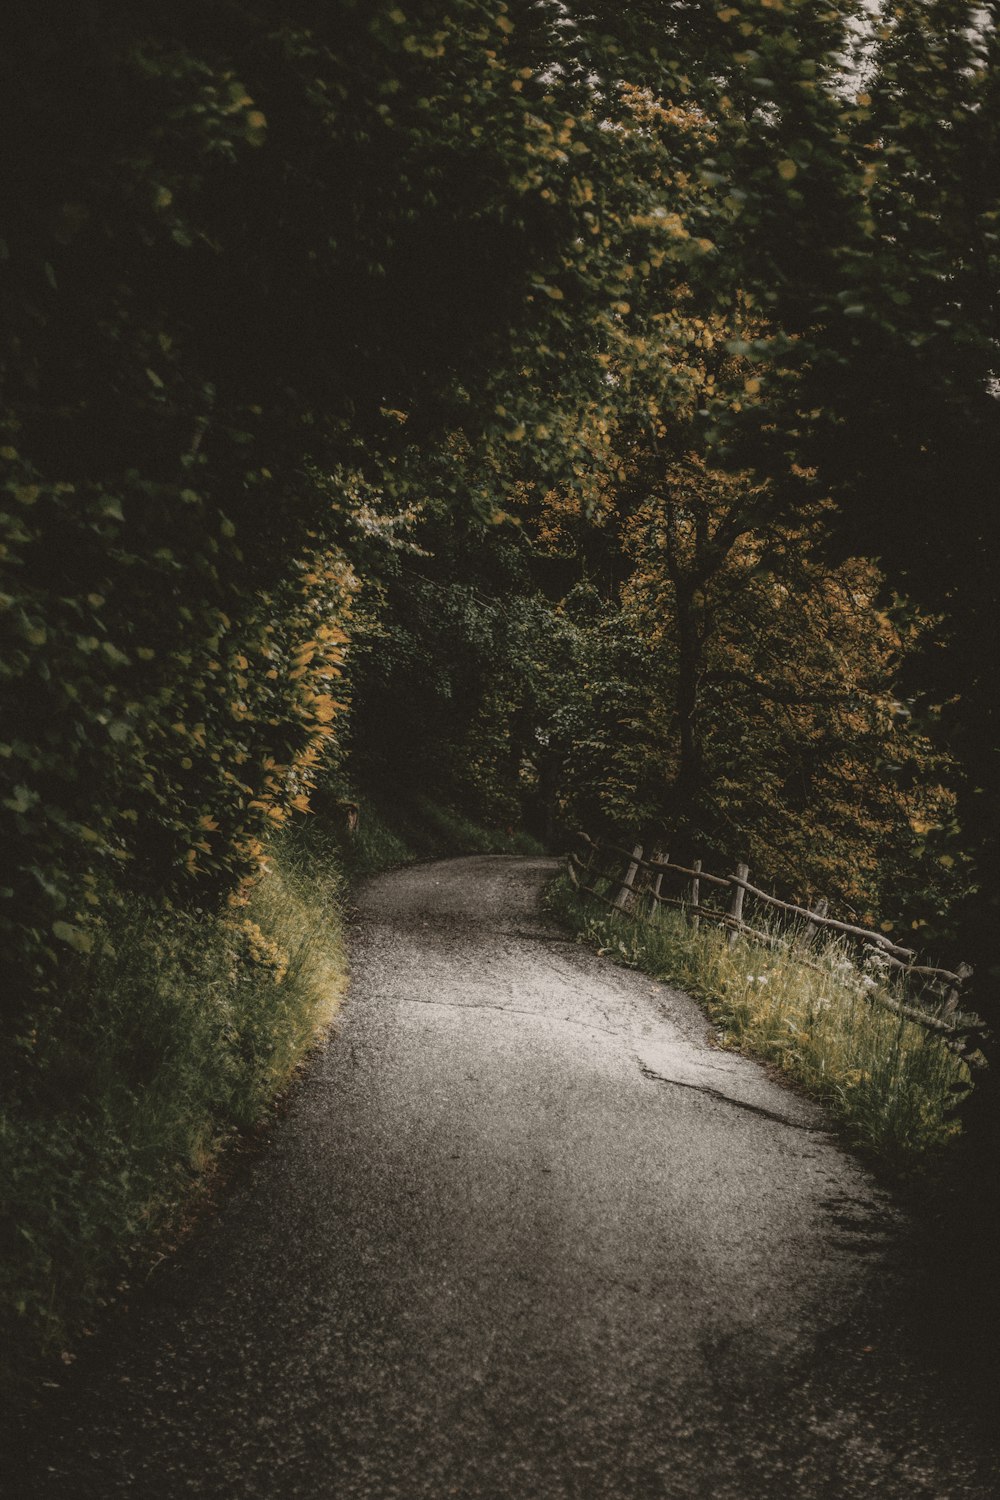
262 262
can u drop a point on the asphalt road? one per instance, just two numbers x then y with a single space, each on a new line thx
522 1233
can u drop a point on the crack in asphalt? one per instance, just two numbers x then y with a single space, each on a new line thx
551 939
753 1109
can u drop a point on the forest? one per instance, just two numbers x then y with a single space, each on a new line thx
528 415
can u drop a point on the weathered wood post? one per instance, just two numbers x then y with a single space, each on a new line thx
625 891
819 910
695 894
954 995
736 906
348 813
659 858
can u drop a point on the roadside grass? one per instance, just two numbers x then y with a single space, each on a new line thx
811 1011
182 1029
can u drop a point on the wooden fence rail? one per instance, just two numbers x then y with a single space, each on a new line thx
641 883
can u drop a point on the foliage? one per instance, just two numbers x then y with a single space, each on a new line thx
179 1033
877 273
727 686
155 749
291 249
774 700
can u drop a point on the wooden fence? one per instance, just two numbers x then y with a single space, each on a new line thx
634 887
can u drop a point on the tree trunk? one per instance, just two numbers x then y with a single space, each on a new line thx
690 766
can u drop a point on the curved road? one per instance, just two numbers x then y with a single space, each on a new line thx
522 1233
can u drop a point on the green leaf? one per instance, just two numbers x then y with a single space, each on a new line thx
77 939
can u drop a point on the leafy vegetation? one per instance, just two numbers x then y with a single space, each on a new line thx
172 1037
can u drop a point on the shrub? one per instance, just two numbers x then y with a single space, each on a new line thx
179 1028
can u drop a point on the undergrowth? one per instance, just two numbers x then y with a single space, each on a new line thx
890 1083
420 828
180 1031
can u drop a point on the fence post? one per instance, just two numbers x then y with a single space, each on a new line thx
625 891
591 853
659 858
819 910
736 907
695 894
964 972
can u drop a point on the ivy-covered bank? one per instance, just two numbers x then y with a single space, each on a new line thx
174 1034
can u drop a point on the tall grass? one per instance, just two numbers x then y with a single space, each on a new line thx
813 1012
182 1030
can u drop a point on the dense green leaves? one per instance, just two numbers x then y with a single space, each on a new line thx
261 262
281 276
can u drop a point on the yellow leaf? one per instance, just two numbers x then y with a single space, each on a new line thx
323 708
787 169
256 124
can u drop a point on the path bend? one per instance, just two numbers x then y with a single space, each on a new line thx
524 1234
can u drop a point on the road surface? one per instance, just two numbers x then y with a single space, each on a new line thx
523 1232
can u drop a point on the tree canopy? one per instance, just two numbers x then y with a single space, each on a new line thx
667 330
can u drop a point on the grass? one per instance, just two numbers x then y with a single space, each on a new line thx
184 1029
889 1082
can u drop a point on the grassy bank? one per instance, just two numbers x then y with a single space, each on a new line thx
890 1083
179 1033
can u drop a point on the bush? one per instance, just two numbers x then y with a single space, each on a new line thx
179 1030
